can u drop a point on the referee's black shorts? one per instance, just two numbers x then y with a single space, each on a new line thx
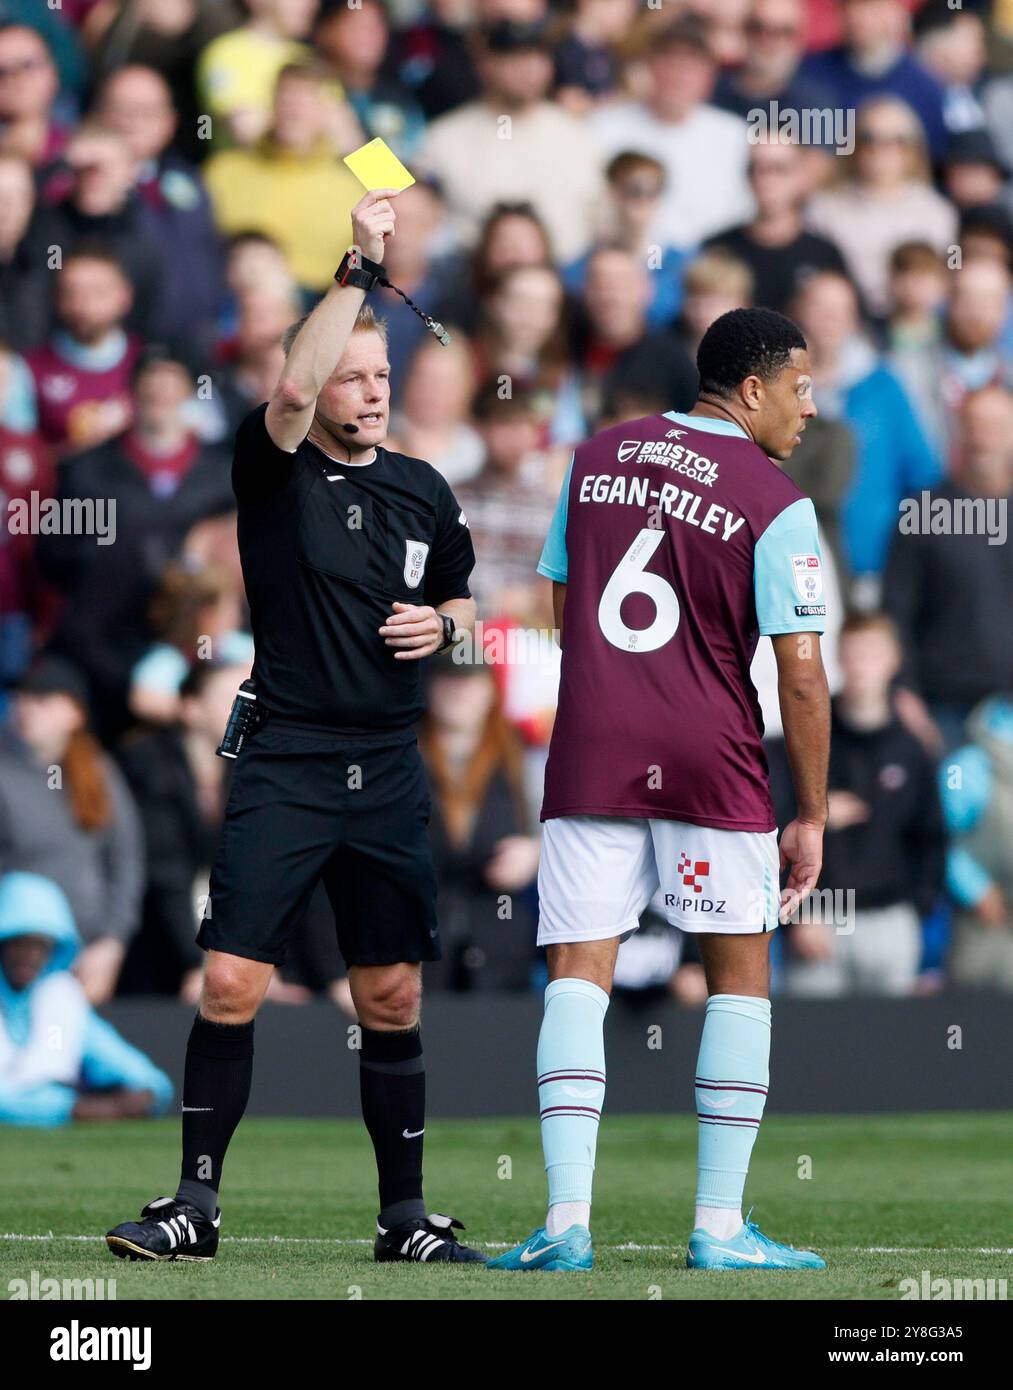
307 805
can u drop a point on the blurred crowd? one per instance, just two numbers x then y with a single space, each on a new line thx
596 183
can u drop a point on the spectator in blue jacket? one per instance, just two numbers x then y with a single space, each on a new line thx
59 1061
875 60
893 458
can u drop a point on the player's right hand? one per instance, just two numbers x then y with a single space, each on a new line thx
801 850
373 219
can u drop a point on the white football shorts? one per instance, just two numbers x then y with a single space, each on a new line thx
598 873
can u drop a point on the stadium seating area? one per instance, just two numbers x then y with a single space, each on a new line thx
596 182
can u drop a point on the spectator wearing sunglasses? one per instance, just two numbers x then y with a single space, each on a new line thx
886 198
636 185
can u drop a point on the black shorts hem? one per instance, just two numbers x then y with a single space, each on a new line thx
246 952
400 958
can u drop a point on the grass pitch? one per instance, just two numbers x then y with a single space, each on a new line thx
888 1197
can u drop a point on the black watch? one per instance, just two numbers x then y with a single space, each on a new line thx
362 273
449 631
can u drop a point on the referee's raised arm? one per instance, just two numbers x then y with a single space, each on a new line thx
325 334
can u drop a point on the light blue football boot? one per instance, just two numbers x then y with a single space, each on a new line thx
570 1250
749 1248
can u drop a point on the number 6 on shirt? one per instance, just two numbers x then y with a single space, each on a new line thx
630 577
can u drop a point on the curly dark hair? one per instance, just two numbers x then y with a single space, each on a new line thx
745 342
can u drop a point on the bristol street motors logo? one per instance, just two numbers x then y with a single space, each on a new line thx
415 562
668 454
691 871
808 575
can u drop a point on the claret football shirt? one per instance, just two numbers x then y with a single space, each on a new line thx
680 543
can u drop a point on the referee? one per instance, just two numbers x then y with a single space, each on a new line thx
356 562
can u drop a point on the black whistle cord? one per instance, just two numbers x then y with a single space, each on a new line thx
435 327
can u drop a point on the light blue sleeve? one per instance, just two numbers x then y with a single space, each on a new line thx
109 1060
787 586
553 563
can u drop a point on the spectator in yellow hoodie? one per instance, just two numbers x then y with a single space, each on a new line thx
236 72
292 185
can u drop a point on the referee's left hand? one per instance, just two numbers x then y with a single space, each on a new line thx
416 631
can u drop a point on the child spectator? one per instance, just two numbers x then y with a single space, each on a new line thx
508 509
884 837
82 372
197 615
236 72
918 285
716 282
93 1073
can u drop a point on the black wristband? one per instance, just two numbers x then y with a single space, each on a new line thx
449 631
361 273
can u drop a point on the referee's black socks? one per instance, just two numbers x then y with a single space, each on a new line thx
216 1087
392 1084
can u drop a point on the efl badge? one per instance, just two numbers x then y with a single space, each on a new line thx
808 577
414 562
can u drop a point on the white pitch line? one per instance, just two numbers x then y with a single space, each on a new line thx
502 1245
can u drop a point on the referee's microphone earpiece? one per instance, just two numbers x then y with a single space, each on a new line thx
352 429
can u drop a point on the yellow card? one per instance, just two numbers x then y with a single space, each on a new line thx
377 166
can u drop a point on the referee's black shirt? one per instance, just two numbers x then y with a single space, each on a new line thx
326 547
